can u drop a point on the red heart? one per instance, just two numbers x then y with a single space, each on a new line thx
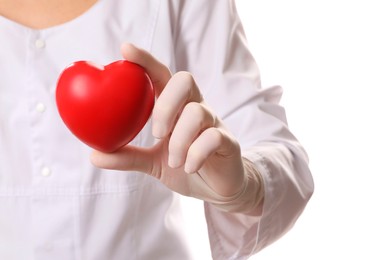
105 107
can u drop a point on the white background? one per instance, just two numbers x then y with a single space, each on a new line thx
333 60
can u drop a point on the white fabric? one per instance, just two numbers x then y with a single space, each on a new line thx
55 205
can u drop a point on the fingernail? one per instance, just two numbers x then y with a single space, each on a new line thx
174 162
190 169
158 130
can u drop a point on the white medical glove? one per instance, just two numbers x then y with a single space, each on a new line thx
196 155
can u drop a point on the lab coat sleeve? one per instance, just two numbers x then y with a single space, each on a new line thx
210 43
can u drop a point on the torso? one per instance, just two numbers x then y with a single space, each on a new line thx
42 14
45 173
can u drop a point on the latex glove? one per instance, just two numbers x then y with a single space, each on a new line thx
195 155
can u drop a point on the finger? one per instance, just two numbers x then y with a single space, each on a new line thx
194 119
212 141
180 90
158 72
128 158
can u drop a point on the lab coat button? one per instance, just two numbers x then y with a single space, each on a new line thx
40 107
45 172
39 44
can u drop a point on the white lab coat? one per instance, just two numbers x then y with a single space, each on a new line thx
55 205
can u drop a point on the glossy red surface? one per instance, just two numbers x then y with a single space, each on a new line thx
105 107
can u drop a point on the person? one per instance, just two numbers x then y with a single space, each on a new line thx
215 134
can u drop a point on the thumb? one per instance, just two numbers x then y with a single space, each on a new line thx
158 72
128 158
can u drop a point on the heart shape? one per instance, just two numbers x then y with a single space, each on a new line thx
105 107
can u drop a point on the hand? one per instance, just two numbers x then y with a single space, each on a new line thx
195 155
